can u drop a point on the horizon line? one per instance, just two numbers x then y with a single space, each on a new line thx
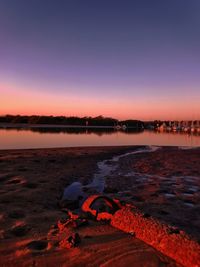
67 116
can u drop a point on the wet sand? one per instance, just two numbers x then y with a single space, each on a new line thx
165 184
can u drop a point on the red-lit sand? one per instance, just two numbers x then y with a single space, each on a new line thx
169 240
31 185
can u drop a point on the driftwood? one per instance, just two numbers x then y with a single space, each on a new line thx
170 241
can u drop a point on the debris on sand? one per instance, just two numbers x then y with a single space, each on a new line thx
166 239
70 242
63 234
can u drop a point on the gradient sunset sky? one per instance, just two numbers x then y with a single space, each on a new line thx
124 59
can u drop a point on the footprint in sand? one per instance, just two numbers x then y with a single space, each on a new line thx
22 169
20 230
31 185
38 245
16 214
16 180
163 212
6 177
43 181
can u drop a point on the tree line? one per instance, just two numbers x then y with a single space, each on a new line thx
72 120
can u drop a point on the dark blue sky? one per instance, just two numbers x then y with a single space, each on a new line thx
118 58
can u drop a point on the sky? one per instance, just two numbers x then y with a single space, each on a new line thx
124 59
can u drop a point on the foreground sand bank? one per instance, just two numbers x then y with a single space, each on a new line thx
164 184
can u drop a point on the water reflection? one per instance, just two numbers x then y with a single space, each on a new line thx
74 130
97 131
16 138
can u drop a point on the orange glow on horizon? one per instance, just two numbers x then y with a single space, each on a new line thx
31 102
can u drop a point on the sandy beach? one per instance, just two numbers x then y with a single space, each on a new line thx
164 184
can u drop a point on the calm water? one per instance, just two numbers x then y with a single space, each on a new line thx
44 138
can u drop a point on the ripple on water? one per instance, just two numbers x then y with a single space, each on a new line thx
169 195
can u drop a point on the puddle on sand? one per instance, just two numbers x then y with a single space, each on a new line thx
194 189
189 204
188 194
169 195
